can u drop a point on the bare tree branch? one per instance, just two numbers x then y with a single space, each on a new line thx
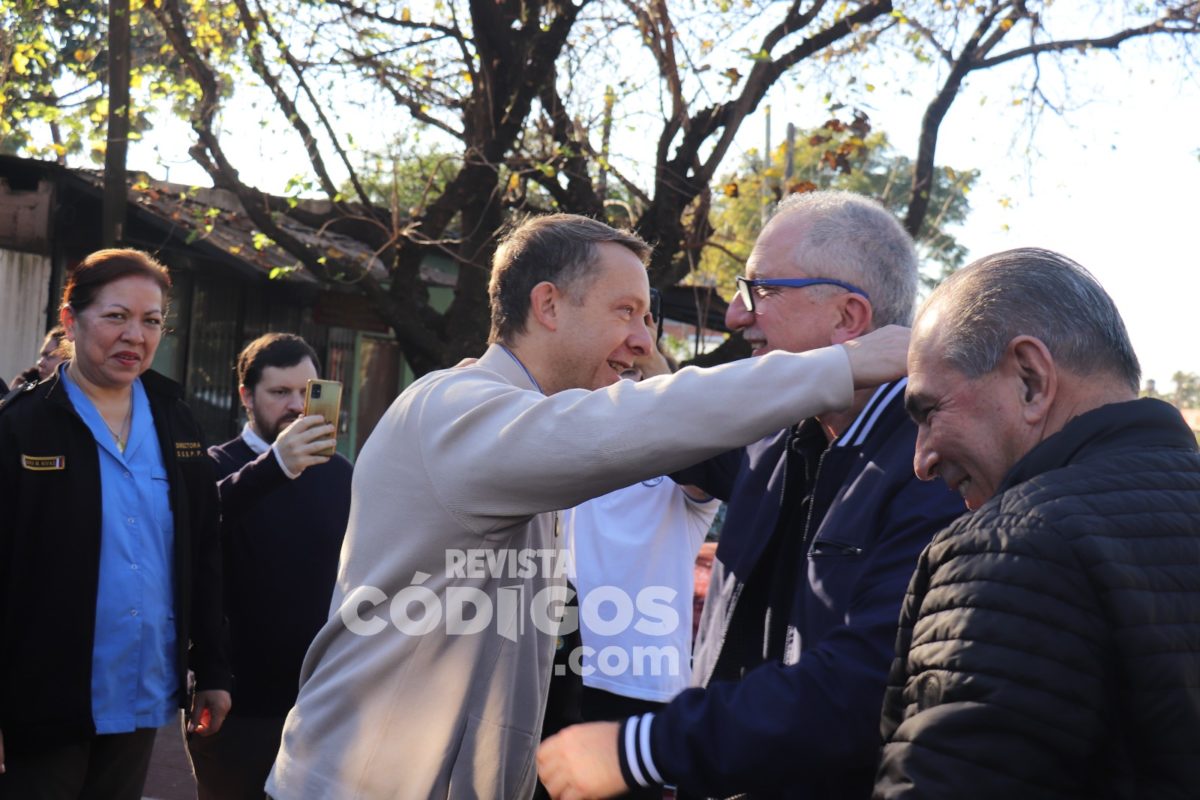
317 107
681 179
399 22
414 330
935 112
581 194
765 73
989 32
259 64
654 21
1111 42
512 80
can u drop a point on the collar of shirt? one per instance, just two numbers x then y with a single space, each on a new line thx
528 374
141 424
259 445
254 441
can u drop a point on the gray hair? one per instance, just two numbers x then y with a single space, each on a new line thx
1033 292
855 239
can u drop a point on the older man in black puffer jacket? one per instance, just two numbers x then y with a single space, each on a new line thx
1049 644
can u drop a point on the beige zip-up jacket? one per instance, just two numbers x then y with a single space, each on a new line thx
429 680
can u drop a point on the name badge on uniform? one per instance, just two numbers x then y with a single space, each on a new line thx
43 463
188 450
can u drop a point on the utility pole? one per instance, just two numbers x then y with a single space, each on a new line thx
789 166
115 191
764 188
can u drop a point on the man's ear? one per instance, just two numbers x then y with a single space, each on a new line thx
545 303
247 396
1036 376
854 317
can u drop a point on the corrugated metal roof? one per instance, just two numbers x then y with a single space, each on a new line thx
214 222
215 217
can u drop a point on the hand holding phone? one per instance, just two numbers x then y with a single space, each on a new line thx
311 439
308 441
324 398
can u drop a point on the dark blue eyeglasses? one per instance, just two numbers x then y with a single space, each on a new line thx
746 287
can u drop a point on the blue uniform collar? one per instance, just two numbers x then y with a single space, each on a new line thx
141 424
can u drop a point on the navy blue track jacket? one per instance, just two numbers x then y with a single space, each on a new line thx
802 721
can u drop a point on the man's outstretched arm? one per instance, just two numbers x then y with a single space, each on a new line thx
757 734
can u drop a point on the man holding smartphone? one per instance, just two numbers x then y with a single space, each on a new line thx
285 499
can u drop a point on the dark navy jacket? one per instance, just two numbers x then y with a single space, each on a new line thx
50 559
805 724
281 539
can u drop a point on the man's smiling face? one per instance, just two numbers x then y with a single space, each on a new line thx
791 319
603 333
969 430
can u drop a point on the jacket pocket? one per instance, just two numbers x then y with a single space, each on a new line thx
827 548
493 762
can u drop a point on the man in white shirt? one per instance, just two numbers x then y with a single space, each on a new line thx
633 552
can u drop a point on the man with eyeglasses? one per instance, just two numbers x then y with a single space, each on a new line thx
429 678
824 526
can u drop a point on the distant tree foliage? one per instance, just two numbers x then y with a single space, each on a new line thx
837 155
1187 390
1186 393
54 73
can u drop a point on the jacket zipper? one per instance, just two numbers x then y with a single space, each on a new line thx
737 592
808 520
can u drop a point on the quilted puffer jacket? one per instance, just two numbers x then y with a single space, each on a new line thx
1050 643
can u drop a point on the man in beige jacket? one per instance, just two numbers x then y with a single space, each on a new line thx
430 677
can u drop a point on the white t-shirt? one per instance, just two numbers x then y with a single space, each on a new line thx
633 553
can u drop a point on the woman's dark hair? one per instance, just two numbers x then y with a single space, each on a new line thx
105 266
